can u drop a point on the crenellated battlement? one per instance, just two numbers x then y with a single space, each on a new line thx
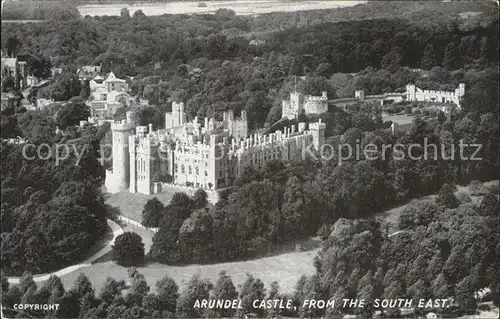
414 93
122 126
309 104
208 154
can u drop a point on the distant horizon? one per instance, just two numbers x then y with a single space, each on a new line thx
244 7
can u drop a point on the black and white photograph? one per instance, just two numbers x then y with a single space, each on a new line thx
250 159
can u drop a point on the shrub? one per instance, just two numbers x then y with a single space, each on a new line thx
446 197
477 188
128 250
463 197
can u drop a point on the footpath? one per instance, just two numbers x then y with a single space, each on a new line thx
117 231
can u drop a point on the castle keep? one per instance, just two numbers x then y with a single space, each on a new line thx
210 155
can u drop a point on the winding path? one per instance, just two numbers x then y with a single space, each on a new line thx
117 231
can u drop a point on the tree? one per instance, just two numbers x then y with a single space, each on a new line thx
451 60
446 197
152 213
82 286
5 283
489 205
69 306
168 293
225 290
26 282
85 92
392 60
252 289
12 297
12 45
464 295
197 289
65 87
8 84
71 114
440 287
139 290
128 249
429 58
125 13
138 14
110 290
324 69
200 199
417 213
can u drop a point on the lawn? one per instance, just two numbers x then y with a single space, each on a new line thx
285 268
400 119
131 205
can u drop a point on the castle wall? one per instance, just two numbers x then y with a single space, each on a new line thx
298 104
414 93
200 159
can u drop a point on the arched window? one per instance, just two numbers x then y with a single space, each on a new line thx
190 171
183 169
206 173
197 170
176 168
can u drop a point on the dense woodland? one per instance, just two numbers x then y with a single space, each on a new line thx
52 213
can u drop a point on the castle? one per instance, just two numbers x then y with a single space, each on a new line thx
299 104
414 93
209 156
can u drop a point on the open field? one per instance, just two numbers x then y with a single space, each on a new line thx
284 268
189 7
400 119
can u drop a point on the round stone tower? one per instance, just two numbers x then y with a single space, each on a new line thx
118 179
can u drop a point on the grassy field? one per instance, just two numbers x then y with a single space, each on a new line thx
285 268
131 205
400 119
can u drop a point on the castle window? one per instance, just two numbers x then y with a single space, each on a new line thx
206 173
183 169
190 171
197 171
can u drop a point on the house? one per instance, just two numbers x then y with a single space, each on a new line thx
88 72
108 95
